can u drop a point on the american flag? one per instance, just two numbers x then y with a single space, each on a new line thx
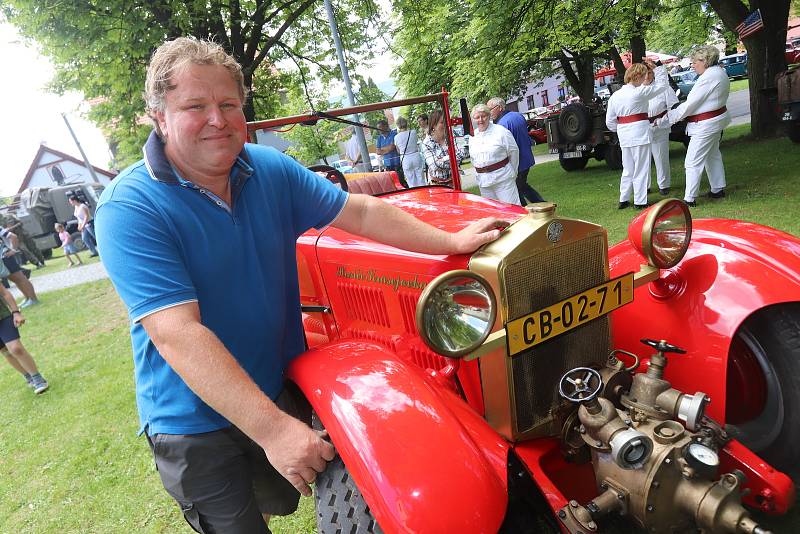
750 25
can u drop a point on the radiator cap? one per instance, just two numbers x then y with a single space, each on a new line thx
540 209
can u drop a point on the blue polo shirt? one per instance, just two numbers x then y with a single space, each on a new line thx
391 159
515 123
166 241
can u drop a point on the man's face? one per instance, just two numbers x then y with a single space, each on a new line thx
383 127
202 121
494 111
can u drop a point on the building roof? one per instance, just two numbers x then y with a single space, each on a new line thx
36 164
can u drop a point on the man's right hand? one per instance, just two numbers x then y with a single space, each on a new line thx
298 453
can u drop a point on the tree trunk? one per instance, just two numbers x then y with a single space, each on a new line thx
765 57
637 48
581 76
619 66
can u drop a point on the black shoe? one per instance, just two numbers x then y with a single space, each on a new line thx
623 205
692 204
664 192
718 194
641 206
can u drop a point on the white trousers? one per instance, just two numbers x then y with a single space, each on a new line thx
659 145
703 153
635 174
505 191
412 168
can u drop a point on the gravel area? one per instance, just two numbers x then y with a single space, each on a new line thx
66 278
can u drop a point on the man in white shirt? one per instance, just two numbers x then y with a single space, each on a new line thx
707 116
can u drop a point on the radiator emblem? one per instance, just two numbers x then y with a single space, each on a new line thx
554 231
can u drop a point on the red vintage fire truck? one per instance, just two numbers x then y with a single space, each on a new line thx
547 382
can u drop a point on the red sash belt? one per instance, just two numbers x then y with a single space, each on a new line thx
636 117
493 167
706 115
656 117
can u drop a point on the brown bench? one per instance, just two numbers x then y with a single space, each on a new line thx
373 183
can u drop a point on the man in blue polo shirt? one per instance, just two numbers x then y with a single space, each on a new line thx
518 126
199 241
385 146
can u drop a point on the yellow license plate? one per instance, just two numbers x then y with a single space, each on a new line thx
570 313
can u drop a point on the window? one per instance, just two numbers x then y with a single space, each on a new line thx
530 102
545 100
58 175
562 92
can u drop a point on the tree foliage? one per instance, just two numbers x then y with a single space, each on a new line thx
102 47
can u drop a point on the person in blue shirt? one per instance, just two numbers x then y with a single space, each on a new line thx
385 146
199 241
518 126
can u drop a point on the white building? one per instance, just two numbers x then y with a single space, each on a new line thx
52 168
540 94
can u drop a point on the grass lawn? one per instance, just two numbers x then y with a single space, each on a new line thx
740 85
70 461
59 262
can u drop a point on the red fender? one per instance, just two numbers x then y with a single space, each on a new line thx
731 270
422 458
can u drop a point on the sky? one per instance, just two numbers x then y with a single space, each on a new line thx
32 115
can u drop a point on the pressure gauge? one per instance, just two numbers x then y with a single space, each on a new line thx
702 459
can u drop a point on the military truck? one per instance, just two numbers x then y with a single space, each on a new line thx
40 208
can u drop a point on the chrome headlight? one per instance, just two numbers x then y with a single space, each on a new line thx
662 233
456 312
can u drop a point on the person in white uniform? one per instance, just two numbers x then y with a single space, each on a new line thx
626 114
495 156
659 135
407 146
706 115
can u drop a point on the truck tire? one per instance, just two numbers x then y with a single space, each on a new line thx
77 240
764 368
47 253
575 123
572 164
614 157
793 131
339 504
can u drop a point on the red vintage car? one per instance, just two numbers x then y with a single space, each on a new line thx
547 382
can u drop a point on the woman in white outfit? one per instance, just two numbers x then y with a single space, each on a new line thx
659 135
626 114
495 156
707 116
406 143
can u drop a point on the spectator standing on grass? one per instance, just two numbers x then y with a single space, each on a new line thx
16 273
85 224
352 150
516 124
408 148
434 149
385 146
26 244
67 245
210 353
495 156
659 135
626 114
11 346
706 115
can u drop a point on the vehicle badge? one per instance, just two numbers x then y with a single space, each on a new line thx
554 231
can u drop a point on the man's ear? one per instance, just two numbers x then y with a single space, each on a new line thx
162 123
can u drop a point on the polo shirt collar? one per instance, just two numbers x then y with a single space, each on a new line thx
160 169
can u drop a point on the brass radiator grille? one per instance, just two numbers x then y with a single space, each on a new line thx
534 283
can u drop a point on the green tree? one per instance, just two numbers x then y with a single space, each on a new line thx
102 47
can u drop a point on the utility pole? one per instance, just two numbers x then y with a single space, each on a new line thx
80 148
362 141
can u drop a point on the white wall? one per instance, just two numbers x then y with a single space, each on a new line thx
533 96
73 172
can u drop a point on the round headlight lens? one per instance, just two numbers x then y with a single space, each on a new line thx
456 313
666 233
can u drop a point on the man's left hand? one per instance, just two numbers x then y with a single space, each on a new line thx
477 234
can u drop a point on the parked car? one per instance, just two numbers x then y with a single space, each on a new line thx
521 388
735 65
685 81
792 54
343 166
535 120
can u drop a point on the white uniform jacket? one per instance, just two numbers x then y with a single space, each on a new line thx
660 104
490 146
710 92
630 100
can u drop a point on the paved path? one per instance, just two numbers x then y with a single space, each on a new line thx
66 278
